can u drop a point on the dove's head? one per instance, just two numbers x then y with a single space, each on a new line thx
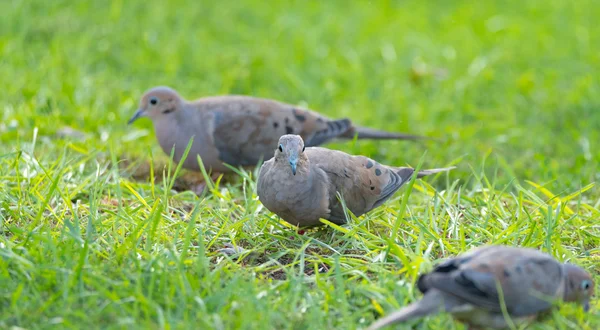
291 151
157 103
579 285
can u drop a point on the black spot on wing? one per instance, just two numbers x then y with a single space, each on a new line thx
275 124
289 130
392 186
298 115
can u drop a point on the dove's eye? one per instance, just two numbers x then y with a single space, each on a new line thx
153 100
585 285
281 147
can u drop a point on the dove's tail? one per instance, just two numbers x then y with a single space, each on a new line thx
423 173
369 133
430 304
407 172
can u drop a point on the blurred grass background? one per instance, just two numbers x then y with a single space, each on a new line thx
510 87
517 78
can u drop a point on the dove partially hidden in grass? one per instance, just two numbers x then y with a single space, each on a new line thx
238 130
301 184
492 286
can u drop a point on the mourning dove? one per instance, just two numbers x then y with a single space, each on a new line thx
301 184
467 287
238 130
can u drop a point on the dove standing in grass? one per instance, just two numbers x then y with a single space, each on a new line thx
301 184
238 130
468 287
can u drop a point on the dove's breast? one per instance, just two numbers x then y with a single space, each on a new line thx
300 200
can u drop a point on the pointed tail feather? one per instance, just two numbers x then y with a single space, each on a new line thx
369 133
423 173
407 172
430 304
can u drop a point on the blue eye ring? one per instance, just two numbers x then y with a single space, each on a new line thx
585 285
281 147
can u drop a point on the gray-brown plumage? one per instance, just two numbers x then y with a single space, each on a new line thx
301 184
238 130
467 287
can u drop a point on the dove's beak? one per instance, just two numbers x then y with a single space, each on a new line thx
293 163
586 306
138 113
293 158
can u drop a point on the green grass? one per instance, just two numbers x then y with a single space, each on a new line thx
510 87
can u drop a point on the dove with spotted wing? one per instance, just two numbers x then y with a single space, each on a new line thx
238 130
301 184
477 286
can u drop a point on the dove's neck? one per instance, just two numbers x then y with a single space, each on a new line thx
185 115
568 287
567 292
305 179
186 121
175 128
303 171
